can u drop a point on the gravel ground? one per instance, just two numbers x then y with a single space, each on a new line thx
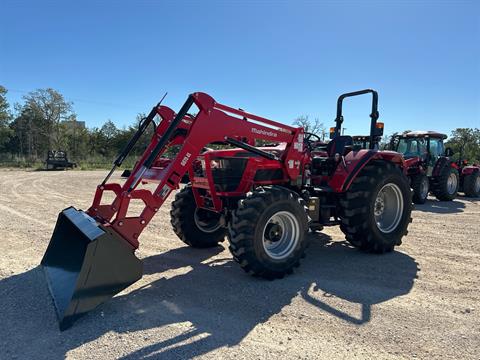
420 301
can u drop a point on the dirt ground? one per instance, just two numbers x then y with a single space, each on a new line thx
422 300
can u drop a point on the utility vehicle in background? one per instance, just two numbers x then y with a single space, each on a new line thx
58 160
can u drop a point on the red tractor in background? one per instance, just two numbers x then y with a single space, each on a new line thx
262 199
431 169
469 176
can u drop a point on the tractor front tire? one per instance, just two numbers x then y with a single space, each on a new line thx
445 186
268 232
376 210
471 184
420 187
198 228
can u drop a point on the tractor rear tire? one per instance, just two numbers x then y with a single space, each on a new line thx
420 186
445 186
196 227
471 184
380 189
268 232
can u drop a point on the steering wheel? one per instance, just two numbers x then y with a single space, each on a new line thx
307 140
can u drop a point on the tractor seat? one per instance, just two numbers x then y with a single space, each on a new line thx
337 145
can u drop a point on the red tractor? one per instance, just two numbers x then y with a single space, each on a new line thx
262 199
429 166
469 176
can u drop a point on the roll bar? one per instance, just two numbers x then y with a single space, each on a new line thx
374 114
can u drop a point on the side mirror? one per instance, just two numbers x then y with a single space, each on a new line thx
448 152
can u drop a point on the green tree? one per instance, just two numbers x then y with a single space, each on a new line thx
76 139
40 124
108 138
28 139
465 142
52 109
5 117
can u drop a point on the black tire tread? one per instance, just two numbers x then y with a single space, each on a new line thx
242 230
469 185
439 184
416 184
354 213
183 224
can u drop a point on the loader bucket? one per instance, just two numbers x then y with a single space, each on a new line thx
86 264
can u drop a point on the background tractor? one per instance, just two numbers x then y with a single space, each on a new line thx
428 165
469 176
262 199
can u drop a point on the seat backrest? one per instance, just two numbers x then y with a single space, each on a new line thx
337 145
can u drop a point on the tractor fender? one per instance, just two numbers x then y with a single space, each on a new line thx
468 170
355 161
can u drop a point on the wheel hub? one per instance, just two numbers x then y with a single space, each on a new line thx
452 183
477 184
281 235
388 208
273 232
379 206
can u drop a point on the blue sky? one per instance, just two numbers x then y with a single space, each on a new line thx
277 59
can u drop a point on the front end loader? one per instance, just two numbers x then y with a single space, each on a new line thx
265 198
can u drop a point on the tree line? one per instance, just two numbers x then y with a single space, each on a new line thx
45 121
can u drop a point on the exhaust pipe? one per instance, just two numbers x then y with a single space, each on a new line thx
85 264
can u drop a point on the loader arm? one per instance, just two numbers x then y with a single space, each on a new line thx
213 123
105 212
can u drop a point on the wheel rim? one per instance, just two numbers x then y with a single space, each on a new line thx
424 188
388 208
452 183
281 235
207 221
477 184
